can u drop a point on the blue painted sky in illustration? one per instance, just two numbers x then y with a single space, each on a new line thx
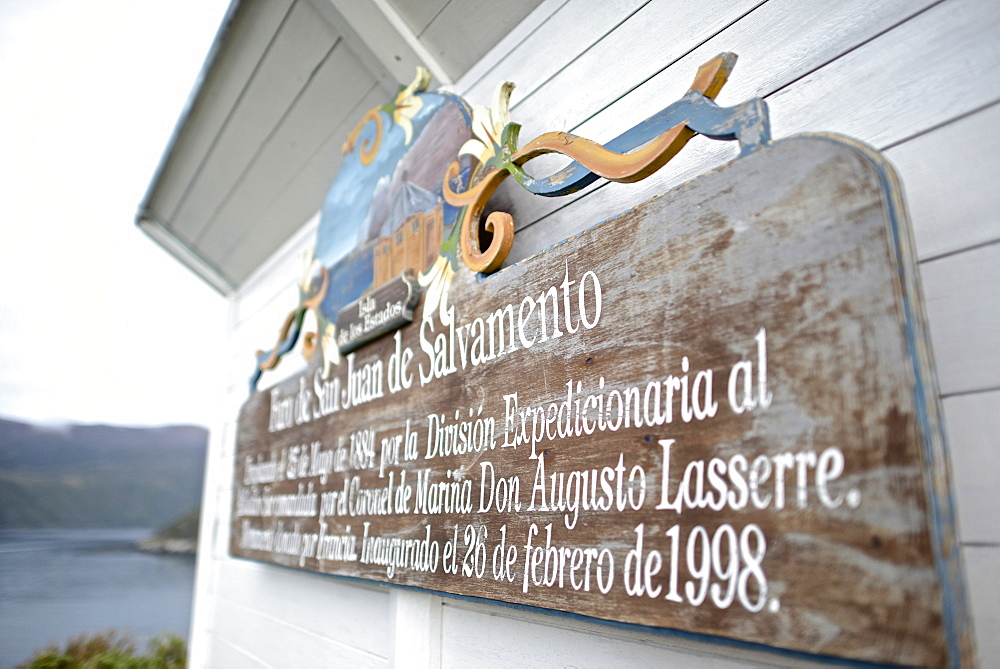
350 197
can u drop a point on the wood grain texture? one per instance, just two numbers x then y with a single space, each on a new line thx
770 50
788 248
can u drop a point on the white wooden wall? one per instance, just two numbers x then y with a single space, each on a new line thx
919 80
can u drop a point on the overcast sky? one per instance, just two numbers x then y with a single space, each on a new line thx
97 323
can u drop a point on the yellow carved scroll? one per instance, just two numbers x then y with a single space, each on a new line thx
309 341
621 167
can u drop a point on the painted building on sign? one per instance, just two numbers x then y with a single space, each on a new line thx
712 378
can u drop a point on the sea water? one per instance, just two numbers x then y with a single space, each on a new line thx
60 583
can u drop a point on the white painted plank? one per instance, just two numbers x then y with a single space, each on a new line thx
886 57
350 614
418 14
578 24
982 569
223 508
327 105
298 191
416 629
203 605
950 179
276 643
225 654
935 67
256 23
299 47
382 32
509 42
803 38
481 635
463 32
260 333
383 78
651 39
282 268
973 423
963 307
259 309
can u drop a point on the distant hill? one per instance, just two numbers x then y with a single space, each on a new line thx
98 475
179 538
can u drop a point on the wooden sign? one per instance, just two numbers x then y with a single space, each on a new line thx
712 413
385 310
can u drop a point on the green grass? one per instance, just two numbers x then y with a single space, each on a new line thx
112 650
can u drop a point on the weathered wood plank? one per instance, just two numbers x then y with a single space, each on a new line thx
964 313
782 270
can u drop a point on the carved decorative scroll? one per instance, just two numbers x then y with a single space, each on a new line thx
290 330
369 147
631 157
402 110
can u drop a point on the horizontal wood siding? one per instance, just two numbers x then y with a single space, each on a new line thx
919 80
